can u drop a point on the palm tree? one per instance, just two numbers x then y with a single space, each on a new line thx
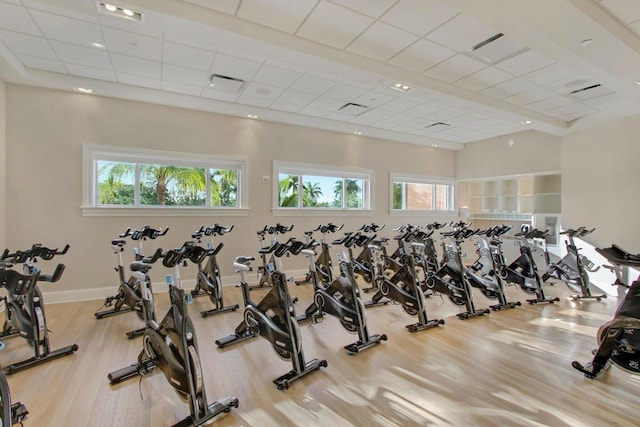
224 187
310 194
114 190
354 193
288 191
189 182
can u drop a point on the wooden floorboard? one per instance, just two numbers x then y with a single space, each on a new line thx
509 368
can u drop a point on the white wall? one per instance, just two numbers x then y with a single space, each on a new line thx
3 167
600 182
531 152
45 133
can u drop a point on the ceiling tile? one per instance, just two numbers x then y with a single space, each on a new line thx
455 68
325 104
549 103
524 63
187 76
56 27
333 25
376 114
313 85
27 44
18 2
550 74
283 15
16 18
508 88
256 102
308 111
133 44
338 116
130 79
487 77
283 106
234 67
225 6
135 66
570 84
194 35
462 33
419 16
533 95
423 110
180 88
294 97
635 27
373 8
262 91
90 72
400 105
373 99
276 76
627 11
421 55
90 57
220 95
381 41
187 56
359 120
345 92
42 63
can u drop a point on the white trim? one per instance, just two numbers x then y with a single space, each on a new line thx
416 212
367 175
160 211
91 153
520 175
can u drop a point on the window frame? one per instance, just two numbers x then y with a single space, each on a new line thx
282 167
90 181
422 179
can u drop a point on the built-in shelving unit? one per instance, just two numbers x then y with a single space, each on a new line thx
514 198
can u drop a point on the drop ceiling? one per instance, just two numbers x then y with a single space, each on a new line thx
475 70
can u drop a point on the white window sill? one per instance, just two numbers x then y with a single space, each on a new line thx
161 211
416 212
326 212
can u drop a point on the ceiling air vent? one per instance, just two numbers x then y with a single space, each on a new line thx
589 92
497 48
352 109
226 83
437 126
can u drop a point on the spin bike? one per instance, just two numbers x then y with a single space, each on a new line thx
523 270
574 267
450 279
172 345
274 317
267 266
323 263
341 299
24 309
618 339
363 264
209 281
483 273
17 284
404 287
129 296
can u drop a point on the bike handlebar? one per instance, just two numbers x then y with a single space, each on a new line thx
144 233
36 251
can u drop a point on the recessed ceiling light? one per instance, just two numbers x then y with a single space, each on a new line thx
527 122
118 11
98 45
434 145
638 82
357 133
586 42
84 90
252 116
401 87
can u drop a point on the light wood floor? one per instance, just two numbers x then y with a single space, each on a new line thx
510 368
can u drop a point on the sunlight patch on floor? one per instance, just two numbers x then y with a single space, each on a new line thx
588 315
565 325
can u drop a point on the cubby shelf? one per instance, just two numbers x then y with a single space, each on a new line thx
513 197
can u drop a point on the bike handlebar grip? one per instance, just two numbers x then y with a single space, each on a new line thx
5 253
52 277
153 258
126 233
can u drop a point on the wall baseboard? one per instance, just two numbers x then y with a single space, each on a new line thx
91 294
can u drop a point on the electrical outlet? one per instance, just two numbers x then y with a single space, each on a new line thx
265 178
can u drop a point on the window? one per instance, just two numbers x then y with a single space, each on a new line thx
134 178
415 193
320 187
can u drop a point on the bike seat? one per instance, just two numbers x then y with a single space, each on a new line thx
243 263
118 242
308 252
140 266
